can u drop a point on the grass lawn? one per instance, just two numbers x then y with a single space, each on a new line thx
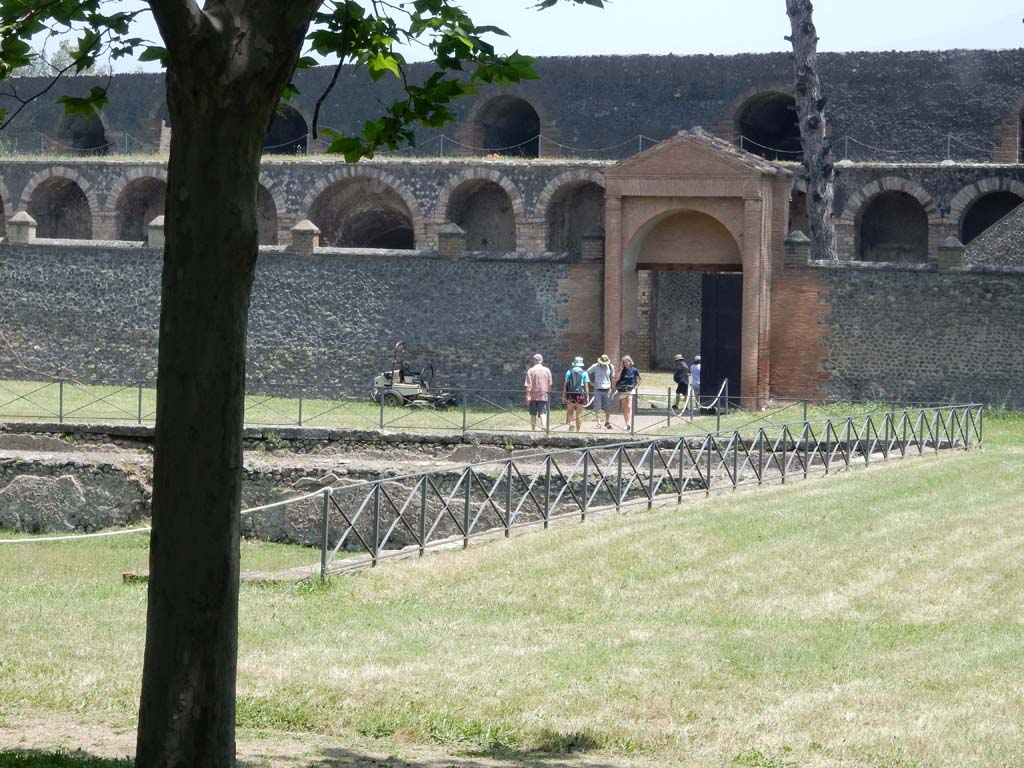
870 619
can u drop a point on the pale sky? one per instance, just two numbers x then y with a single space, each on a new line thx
737 26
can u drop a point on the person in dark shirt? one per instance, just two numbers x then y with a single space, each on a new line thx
681 377
625 387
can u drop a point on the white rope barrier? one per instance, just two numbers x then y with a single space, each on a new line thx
77 536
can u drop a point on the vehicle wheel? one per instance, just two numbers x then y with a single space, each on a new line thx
392 400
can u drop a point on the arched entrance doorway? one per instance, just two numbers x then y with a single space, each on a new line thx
690 295
697 204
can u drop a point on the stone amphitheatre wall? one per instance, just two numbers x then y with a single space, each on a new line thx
895 100
322 324
899 332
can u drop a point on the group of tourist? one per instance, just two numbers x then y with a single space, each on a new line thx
599 387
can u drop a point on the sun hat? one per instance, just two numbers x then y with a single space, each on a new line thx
677 358
604 360
538 358
577 362
696 358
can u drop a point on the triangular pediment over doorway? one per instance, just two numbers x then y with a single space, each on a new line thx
694 154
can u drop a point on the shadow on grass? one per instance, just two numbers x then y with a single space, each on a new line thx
497 758
37 759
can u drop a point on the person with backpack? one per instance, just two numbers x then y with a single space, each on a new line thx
575 393
625 386
681 377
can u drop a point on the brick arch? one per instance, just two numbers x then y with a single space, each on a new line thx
863 196
355 172
967 196
134 174
556 184
274 190
479 174
64 173
726 128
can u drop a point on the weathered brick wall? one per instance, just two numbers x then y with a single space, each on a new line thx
898 333
325 323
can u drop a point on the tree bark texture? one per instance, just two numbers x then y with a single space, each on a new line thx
819 170
227 68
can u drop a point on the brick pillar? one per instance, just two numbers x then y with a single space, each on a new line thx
305 237
798 249
754 356
451 240
21 228
155 238
613 276
950 255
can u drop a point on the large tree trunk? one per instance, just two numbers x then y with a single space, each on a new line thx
221 98
810 107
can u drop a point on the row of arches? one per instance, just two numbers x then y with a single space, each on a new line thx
351 211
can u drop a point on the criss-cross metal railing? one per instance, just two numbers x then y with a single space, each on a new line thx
447 507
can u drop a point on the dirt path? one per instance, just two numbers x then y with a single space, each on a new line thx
277 749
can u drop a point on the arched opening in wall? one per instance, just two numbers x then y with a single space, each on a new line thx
83 134
690 296
510 126
575 210
484 211
986 211
363 213
61 210
287 133
141 201
798 221
893 227
767 125
266 216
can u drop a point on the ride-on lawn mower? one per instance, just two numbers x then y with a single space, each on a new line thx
404 386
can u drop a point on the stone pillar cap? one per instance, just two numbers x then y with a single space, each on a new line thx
451 228
22 217
951 242
796 236
157 222
306 226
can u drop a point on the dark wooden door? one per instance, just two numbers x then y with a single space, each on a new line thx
720 328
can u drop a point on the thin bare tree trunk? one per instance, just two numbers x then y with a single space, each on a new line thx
819 170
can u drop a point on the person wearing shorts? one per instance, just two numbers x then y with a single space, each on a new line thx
602 374
625 386
538 385
575 393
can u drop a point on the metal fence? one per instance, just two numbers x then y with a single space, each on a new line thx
448 507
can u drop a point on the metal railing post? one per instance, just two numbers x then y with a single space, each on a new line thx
586 493
508 499
785 446
679 452
381 419
760 456
650 475
325 533
300 409
707 477
618 479
718 417
736 459
668 410
465 507
981 425
376 524
465 414
60 401
139 413
632 416
805 411
547 490
828 444
726 397
423 517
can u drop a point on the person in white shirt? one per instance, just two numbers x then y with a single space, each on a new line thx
602 374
